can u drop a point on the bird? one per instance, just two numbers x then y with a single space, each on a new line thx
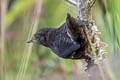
68 41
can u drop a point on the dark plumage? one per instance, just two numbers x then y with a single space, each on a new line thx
68 41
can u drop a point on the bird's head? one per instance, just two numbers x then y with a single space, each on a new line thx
40 37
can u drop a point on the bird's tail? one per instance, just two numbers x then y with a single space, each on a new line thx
74 26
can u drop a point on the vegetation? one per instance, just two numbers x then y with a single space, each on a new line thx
21 18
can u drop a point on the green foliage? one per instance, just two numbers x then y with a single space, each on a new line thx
42 61
17 9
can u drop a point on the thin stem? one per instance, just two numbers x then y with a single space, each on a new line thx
28 49
3 12
94 53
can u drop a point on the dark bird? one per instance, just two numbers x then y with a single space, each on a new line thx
68 41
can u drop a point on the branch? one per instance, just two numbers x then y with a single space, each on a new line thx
71 2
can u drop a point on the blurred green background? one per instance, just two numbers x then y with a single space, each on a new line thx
21 61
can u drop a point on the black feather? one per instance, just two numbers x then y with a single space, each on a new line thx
67 41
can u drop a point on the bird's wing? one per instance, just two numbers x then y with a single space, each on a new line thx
64 47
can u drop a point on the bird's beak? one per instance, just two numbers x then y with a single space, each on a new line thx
33 39
29 41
